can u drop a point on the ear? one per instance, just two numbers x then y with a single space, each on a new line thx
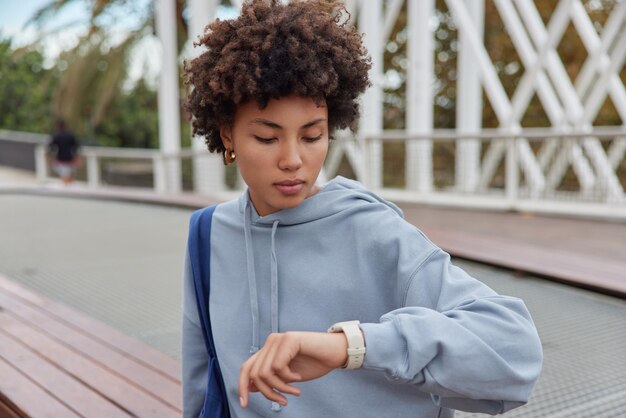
226 137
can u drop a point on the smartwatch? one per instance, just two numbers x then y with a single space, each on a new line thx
356 343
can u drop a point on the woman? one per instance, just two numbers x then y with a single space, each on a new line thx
289 259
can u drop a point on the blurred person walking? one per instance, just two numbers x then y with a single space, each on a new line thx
64 146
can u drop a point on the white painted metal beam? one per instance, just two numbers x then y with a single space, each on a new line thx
500 104
168 97
598 50
371 122
571 110
208 169
391 16
493 87
546 40
534 80
616 152
469 105
419 95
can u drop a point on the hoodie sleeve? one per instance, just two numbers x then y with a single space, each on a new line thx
194 355
454 337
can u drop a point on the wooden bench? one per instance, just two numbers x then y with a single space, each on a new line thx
58 362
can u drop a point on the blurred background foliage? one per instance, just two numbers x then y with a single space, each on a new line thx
26 89
88 84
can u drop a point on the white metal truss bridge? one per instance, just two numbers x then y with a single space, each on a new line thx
508 167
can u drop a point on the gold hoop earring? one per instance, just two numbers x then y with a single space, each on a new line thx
229 156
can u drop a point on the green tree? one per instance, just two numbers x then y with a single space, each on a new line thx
30 98
132 121
92 74
26 89
90 84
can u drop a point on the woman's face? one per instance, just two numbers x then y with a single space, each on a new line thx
280 150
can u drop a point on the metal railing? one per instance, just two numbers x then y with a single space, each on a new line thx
546 170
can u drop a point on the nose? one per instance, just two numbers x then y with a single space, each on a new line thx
290 158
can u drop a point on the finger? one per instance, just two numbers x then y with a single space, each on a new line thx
277 384
270 371
244 380
274 364
268 392
252 388
261 374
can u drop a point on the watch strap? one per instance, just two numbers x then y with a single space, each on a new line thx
356 343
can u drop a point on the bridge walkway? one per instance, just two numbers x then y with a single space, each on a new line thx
118 259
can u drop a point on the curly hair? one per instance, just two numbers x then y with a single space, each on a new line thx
274 50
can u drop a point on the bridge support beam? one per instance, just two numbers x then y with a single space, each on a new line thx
419 95
469 105
168 97
371 123
208 169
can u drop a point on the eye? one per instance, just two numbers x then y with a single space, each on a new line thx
312 139
264 140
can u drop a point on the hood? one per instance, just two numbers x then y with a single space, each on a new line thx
331 199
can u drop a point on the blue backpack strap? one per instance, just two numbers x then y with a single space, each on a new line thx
199 243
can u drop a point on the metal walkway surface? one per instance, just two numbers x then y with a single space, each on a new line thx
122 264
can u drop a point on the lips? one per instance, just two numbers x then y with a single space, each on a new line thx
289 187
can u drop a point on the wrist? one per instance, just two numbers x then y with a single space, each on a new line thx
331 349
341 349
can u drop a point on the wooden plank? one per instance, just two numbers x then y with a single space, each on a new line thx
581 252
7 410
142 353
595 238
28 398
74 393
127 395
580 269
154 383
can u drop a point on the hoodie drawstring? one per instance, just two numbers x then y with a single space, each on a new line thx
254 302
276 407
274 280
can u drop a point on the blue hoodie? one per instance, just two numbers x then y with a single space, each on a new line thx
437 339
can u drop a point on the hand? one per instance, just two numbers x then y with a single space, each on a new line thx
290 357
